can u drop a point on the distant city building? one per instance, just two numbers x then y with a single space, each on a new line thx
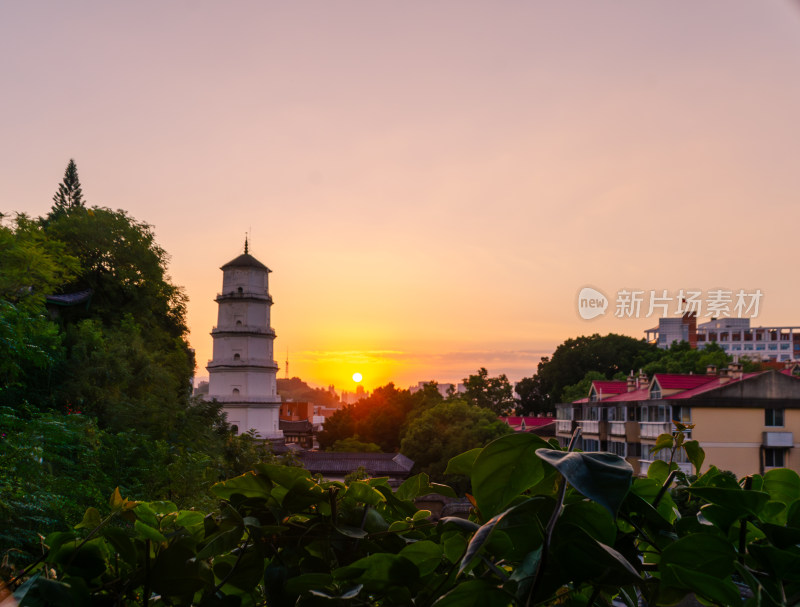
242 373
734 335
349 398
745 422
444 389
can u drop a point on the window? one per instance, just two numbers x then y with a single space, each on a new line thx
774 458
617 448
773 417
591 444
682 414
237 356
235 429
655 392
235 391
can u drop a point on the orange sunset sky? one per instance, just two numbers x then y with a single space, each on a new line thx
431 183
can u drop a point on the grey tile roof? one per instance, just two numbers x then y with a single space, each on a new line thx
377 464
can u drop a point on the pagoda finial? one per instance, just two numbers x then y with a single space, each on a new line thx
245 244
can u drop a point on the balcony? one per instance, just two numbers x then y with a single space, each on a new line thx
263 295
644 464
589 426
654 429
778 439
564 426
241 362
246 400
616 428
243 329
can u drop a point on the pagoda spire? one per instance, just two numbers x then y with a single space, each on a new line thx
245 244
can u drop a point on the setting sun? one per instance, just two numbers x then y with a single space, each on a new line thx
357 377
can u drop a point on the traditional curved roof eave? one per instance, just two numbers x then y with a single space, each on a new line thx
245 260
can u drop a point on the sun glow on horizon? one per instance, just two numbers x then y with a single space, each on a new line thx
357 377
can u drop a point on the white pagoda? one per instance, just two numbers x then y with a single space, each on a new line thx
242 374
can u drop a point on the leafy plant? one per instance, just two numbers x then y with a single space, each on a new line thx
548 526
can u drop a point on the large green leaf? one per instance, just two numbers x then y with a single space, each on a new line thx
783 485
641 497
695 454
462 464
308 581
243 573
176 572
720 591
221 542
474 593
121 543
364 493
581 557
602 477
505 468
780 536
739 501
592 518
426 555
381 570
782 564
91 519
701 552
483 535
282 475
664 441
659 470
420 484
248 485
147 532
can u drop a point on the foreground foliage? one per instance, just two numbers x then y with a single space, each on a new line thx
548 526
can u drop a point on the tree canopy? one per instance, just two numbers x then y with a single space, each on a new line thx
101 389
493 393
447 429
608 355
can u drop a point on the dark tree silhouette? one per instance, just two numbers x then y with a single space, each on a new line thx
69 195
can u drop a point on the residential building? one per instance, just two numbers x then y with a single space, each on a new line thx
734 335
745 422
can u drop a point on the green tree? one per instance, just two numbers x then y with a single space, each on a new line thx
447 429
681 358
581 389
338 426
354 445
69 195
609 354
493 393
33 265
378 418
125 268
